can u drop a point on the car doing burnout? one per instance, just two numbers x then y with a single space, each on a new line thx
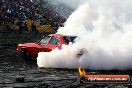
46 44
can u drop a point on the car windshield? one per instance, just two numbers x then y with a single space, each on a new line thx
44 40
68 39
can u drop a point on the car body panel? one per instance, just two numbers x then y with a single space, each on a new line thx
46 44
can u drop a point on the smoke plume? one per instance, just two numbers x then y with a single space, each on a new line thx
104 28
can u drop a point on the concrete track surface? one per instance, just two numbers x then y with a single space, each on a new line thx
15 73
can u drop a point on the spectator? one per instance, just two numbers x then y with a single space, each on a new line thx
33 28
23 27
26 12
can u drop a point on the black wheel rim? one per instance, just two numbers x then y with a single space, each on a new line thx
25 55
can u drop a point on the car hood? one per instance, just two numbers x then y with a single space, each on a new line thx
29 44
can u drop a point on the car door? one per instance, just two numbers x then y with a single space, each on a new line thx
53 43
43 44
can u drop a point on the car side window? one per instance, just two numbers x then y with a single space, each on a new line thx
44 40
54 41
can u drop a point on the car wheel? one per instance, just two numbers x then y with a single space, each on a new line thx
26 55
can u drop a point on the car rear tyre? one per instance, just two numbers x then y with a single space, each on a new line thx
25 55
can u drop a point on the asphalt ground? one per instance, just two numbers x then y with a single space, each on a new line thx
16 73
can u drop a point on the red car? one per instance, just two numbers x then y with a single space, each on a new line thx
46 44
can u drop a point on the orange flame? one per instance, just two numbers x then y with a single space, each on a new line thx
81 71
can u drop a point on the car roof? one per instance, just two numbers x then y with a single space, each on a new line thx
55 35
61 35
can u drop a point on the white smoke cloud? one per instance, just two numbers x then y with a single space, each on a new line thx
70 3
105 31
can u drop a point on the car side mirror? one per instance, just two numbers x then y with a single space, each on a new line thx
56 43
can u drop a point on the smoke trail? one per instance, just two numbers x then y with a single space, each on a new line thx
70 3
65 7
105 31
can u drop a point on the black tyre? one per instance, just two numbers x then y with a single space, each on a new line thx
25 55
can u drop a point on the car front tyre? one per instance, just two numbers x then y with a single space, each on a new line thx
25 55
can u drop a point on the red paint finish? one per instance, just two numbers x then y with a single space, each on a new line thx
46 44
